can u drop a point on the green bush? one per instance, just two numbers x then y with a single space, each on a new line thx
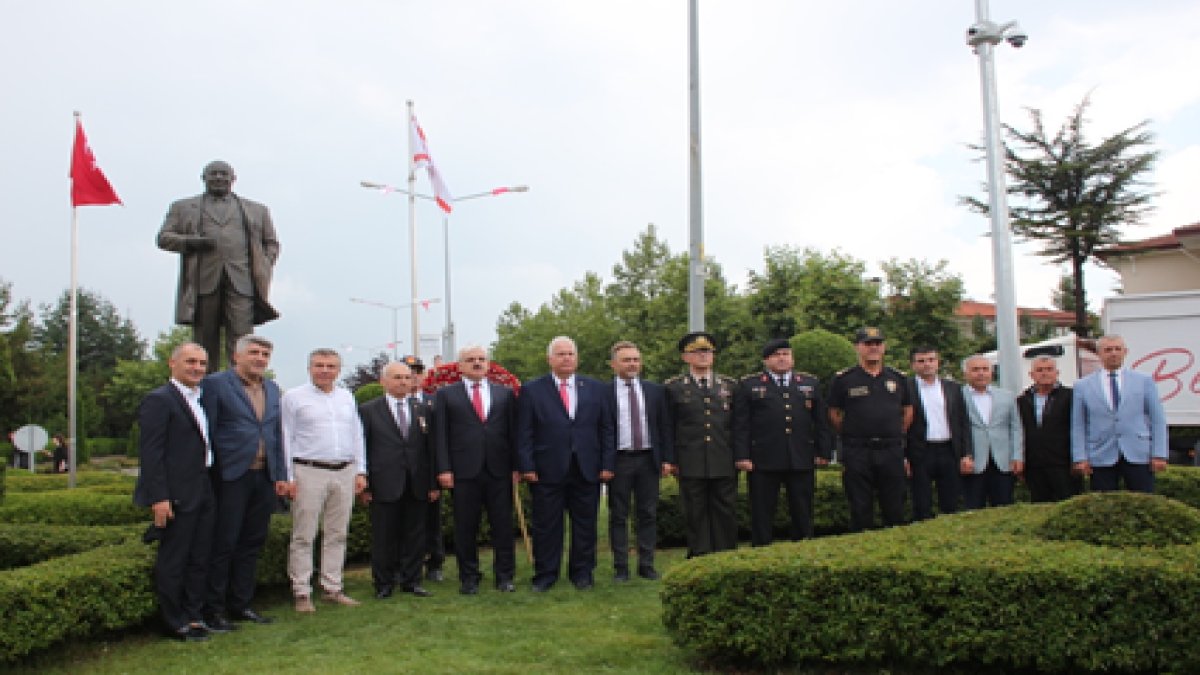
74 596
822 353
1123 519
968 590
103 447
71 507
367 392
22 545
29 482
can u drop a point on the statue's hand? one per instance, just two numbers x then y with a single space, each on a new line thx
199 243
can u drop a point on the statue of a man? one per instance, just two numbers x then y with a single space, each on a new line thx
227 250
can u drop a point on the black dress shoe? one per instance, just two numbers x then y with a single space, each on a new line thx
621 575
506 587
583 584
542 587
648 573
469 589
435 575
190 634
383 592
252 616
219 625
417 590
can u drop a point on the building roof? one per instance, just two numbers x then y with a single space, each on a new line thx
1187 236
971 308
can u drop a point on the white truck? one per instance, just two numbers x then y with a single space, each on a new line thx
1162 331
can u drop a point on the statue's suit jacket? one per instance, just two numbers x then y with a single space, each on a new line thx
200 271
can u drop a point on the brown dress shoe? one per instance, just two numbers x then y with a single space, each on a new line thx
304 605
340 598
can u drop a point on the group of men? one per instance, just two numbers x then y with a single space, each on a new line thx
218 451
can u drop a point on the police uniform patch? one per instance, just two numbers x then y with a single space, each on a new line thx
891 386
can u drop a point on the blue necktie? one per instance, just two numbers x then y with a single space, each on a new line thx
1116 393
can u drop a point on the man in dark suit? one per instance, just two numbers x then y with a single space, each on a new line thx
939 438
242 408
475 431
435 542
700 453
565 448
643 432
780 435
174 482
400 482
1045 411
227 250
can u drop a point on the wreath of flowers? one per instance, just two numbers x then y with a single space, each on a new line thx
448 373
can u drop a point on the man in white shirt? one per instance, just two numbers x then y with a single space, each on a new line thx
326 464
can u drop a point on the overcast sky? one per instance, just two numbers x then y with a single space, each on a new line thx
833 125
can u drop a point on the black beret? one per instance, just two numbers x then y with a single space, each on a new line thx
775 345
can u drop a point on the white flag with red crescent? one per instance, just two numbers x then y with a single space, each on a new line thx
422 159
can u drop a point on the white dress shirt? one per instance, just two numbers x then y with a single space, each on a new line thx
572 392
485 394
321 426
983 403
933 400
624 428
192 396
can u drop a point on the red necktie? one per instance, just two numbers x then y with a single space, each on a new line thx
477 401
565 392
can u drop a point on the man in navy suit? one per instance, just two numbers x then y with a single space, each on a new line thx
566 447
475 431
174 482
938 441
640 410
243 417
1118 427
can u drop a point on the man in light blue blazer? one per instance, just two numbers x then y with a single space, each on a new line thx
1118 427
997 437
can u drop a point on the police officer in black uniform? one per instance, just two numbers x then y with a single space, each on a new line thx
870 408
700 405
780 435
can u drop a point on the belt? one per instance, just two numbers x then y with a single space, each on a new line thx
328 466
938 444
872 442
634 452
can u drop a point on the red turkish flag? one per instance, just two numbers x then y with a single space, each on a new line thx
89 187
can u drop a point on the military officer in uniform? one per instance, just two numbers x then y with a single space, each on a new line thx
870 408
780 435
700 406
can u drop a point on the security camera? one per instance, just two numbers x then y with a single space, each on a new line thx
1016 36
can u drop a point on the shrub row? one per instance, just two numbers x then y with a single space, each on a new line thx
22 544
71 507
978 588
39 482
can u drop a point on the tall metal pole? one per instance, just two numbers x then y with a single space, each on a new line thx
1007 338
412 237
72 354
448 352
696 272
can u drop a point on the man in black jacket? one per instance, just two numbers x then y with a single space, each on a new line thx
939 437
1045 411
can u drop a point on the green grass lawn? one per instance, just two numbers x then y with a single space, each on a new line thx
611 628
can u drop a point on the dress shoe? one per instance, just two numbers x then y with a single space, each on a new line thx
583 584
190 634
340 598
383 592
506 587
417 590
542 587
468 588
648 573
219 625
435 575
252 616
621 575
304 604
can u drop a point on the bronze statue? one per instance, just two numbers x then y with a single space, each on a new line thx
227 250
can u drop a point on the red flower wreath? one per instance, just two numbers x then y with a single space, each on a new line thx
448 373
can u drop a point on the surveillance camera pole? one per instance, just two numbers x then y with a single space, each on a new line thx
983 37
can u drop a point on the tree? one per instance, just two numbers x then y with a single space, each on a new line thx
104 336
1072 196
366 373
132 379
922 298
804 289
822 353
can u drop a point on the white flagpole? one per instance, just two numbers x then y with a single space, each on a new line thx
412 236
73 349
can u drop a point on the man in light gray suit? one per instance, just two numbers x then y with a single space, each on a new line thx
997 436
227 250
1118 427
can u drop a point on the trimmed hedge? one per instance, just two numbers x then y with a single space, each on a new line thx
1123 519
30 482
972 589
71 507
22 545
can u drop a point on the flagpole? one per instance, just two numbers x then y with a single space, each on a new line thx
73 348
412 236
